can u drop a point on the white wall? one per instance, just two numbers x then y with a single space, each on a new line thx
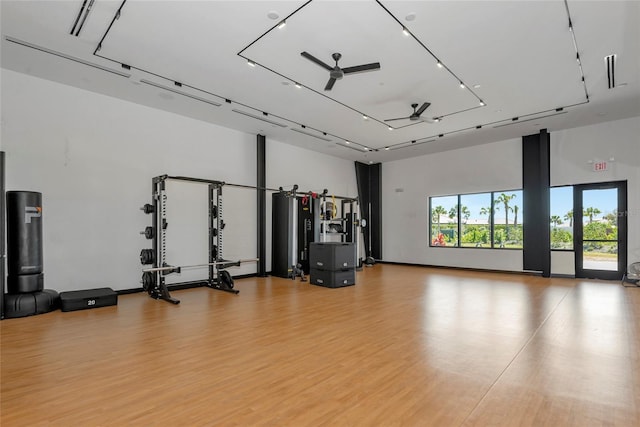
496 167
405 218
93 157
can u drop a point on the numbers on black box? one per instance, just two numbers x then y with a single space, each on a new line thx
91 302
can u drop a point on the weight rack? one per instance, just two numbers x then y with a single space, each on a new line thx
154 281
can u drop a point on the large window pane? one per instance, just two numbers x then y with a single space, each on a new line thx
600 229
475 217
561 220
507 219
444 221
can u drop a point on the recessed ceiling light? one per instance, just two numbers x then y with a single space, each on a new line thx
390 128
298 85
251 63
461 85
439 64
410 16
347 142
364 117
273 15
282 24
366 149
386 148
482 104
405 31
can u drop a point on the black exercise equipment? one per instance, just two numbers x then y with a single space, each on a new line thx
88 298
147 208
2 236
225 279
24 242
148 232
297 271
26 295
29 304
333 264
154 277
148 280
147 256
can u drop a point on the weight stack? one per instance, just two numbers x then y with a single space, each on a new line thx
25 278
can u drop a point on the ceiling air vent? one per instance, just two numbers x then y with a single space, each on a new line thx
610 64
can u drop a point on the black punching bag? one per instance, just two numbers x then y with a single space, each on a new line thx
24 242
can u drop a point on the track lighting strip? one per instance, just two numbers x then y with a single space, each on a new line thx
244 113
575 46
64 56
515 122
82 17
408 144
310 134
197 98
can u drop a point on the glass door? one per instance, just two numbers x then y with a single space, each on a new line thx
601 233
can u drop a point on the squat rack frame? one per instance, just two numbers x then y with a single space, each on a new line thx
217 264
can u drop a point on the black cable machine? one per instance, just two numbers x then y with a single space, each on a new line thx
301 218
153 278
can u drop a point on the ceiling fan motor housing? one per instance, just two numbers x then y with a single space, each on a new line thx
336 73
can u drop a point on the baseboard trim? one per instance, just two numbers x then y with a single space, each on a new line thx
485 270
563 276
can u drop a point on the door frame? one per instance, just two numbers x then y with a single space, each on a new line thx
578 234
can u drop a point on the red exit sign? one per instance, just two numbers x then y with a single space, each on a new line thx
599 166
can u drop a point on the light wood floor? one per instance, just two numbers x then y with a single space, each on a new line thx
406 346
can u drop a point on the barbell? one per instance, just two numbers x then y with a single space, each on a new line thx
177 269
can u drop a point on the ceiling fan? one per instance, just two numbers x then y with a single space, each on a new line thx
336 73
416 114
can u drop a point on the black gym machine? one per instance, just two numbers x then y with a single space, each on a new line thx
301 218
154 277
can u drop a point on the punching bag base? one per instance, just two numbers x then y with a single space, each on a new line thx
25 283
22 305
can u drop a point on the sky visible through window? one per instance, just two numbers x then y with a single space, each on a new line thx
562 201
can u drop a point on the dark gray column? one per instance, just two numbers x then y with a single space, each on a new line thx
261 183
535 188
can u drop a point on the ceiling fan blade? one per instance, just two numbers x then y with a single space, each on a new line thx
399 118
422 108
330 84
316 60
360 68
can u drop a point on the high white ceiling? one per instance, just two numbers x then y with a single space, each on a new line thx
519 58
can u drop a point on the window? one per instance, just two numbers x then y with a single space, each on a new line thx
507 219
561 220
475 220
484 220
444 221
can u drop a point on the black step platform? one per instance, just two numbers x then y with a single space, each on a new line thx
89 298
